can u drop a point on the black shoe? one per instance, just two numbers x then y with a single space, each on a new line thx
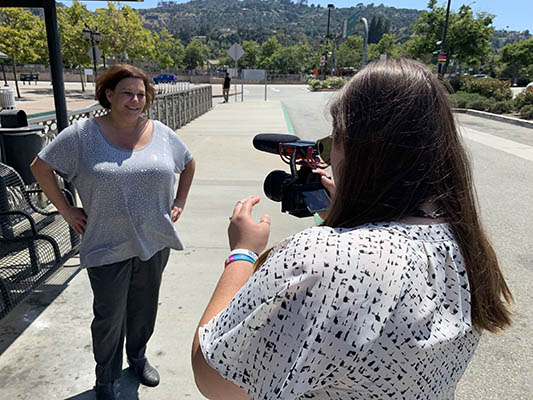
147 374
104 391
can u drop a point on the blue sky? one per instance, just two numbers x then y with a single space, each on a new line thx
513 15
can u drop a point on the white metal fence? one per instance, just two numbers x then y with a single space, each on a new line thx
174 108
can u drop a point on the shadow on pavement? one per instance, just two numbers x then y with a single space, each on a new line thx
87 395
25 313
128 385
126 389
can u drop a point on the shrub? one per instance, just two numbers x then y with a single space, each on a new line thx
315 84
467 100
335 82
523 99
460 82
526 112
501 107
482 104
490 87
487 87
452 100
330 83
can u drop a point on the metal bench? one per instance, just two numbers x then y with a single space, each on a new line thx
34 241
29 78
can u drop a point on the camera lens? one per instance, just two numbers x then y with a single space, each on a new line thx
273 184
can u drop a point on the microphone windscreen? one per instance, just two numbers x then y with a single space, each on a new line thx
269 142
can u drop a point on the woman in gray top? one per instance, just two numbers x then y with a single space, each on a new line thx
123 166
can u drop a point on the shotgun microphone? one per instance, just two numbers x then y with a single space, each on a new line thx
269 142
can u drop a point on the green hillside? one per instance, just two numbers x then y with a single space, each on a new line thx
231 20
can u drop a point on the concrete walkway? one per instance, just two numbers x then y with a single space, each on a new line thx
45 343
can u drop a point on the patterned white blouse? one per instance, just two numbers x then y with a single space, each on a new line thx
381 311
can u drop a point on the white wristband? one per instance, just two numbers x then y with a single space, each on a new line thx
246 252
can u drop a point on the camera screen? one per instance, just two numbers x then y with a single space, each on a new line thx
316 200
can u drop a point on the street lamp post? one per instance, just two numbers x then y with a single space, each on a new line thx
441 68
365 42
92 36
330 7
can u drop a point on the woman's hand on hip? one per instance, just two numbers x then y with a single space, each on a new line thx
76 218
177 209
243 231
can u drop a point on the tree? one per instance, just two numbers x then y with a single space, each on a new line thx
289 59
467 39
378 27
169 51
251 54
195 54
518 55
268 49
123 35
387 45
21 34
74 47
349 52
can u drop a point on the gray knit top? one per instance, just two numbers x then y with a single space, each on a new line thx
126 194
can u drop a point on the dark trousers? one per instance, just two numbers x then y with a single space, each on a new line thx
126 296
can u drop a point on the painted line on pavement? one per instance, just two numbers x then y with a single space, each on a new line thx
508 146
287 119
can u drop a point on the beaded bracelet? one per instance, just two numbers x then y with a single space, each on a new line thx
238 257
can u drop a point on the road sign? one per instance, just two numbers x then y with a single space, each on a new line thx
254 74
441 58
350 25
96 50
322 60
235 51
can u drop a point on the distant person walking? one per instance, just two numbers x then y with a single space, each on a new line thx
123 166
225 87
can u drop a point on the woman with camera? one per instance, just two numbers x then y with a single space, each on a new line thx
387 299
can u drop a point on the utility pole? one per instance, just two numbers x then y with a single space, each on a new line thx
365 43
330 7
92 36
442 59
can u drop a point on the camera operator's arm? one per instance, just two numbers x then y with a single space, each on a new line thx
329 184
243 233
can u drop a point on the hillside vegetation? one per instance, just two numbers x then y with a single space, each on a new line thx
231 20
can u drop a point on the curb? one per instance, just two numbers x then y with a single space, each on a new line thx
495 117
323 90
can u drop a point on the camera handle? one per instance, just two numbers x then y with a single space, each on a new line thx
292 163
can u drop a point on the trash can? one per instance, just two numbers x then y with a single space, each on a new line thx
19 148
7 99
13 118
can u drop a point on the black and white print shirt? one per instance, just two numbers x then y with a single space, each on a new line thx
381 311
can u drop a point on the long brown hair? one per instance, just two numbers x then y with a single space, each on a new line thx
401 148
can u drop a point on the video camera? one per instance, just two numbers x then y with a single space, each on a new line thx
301 192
